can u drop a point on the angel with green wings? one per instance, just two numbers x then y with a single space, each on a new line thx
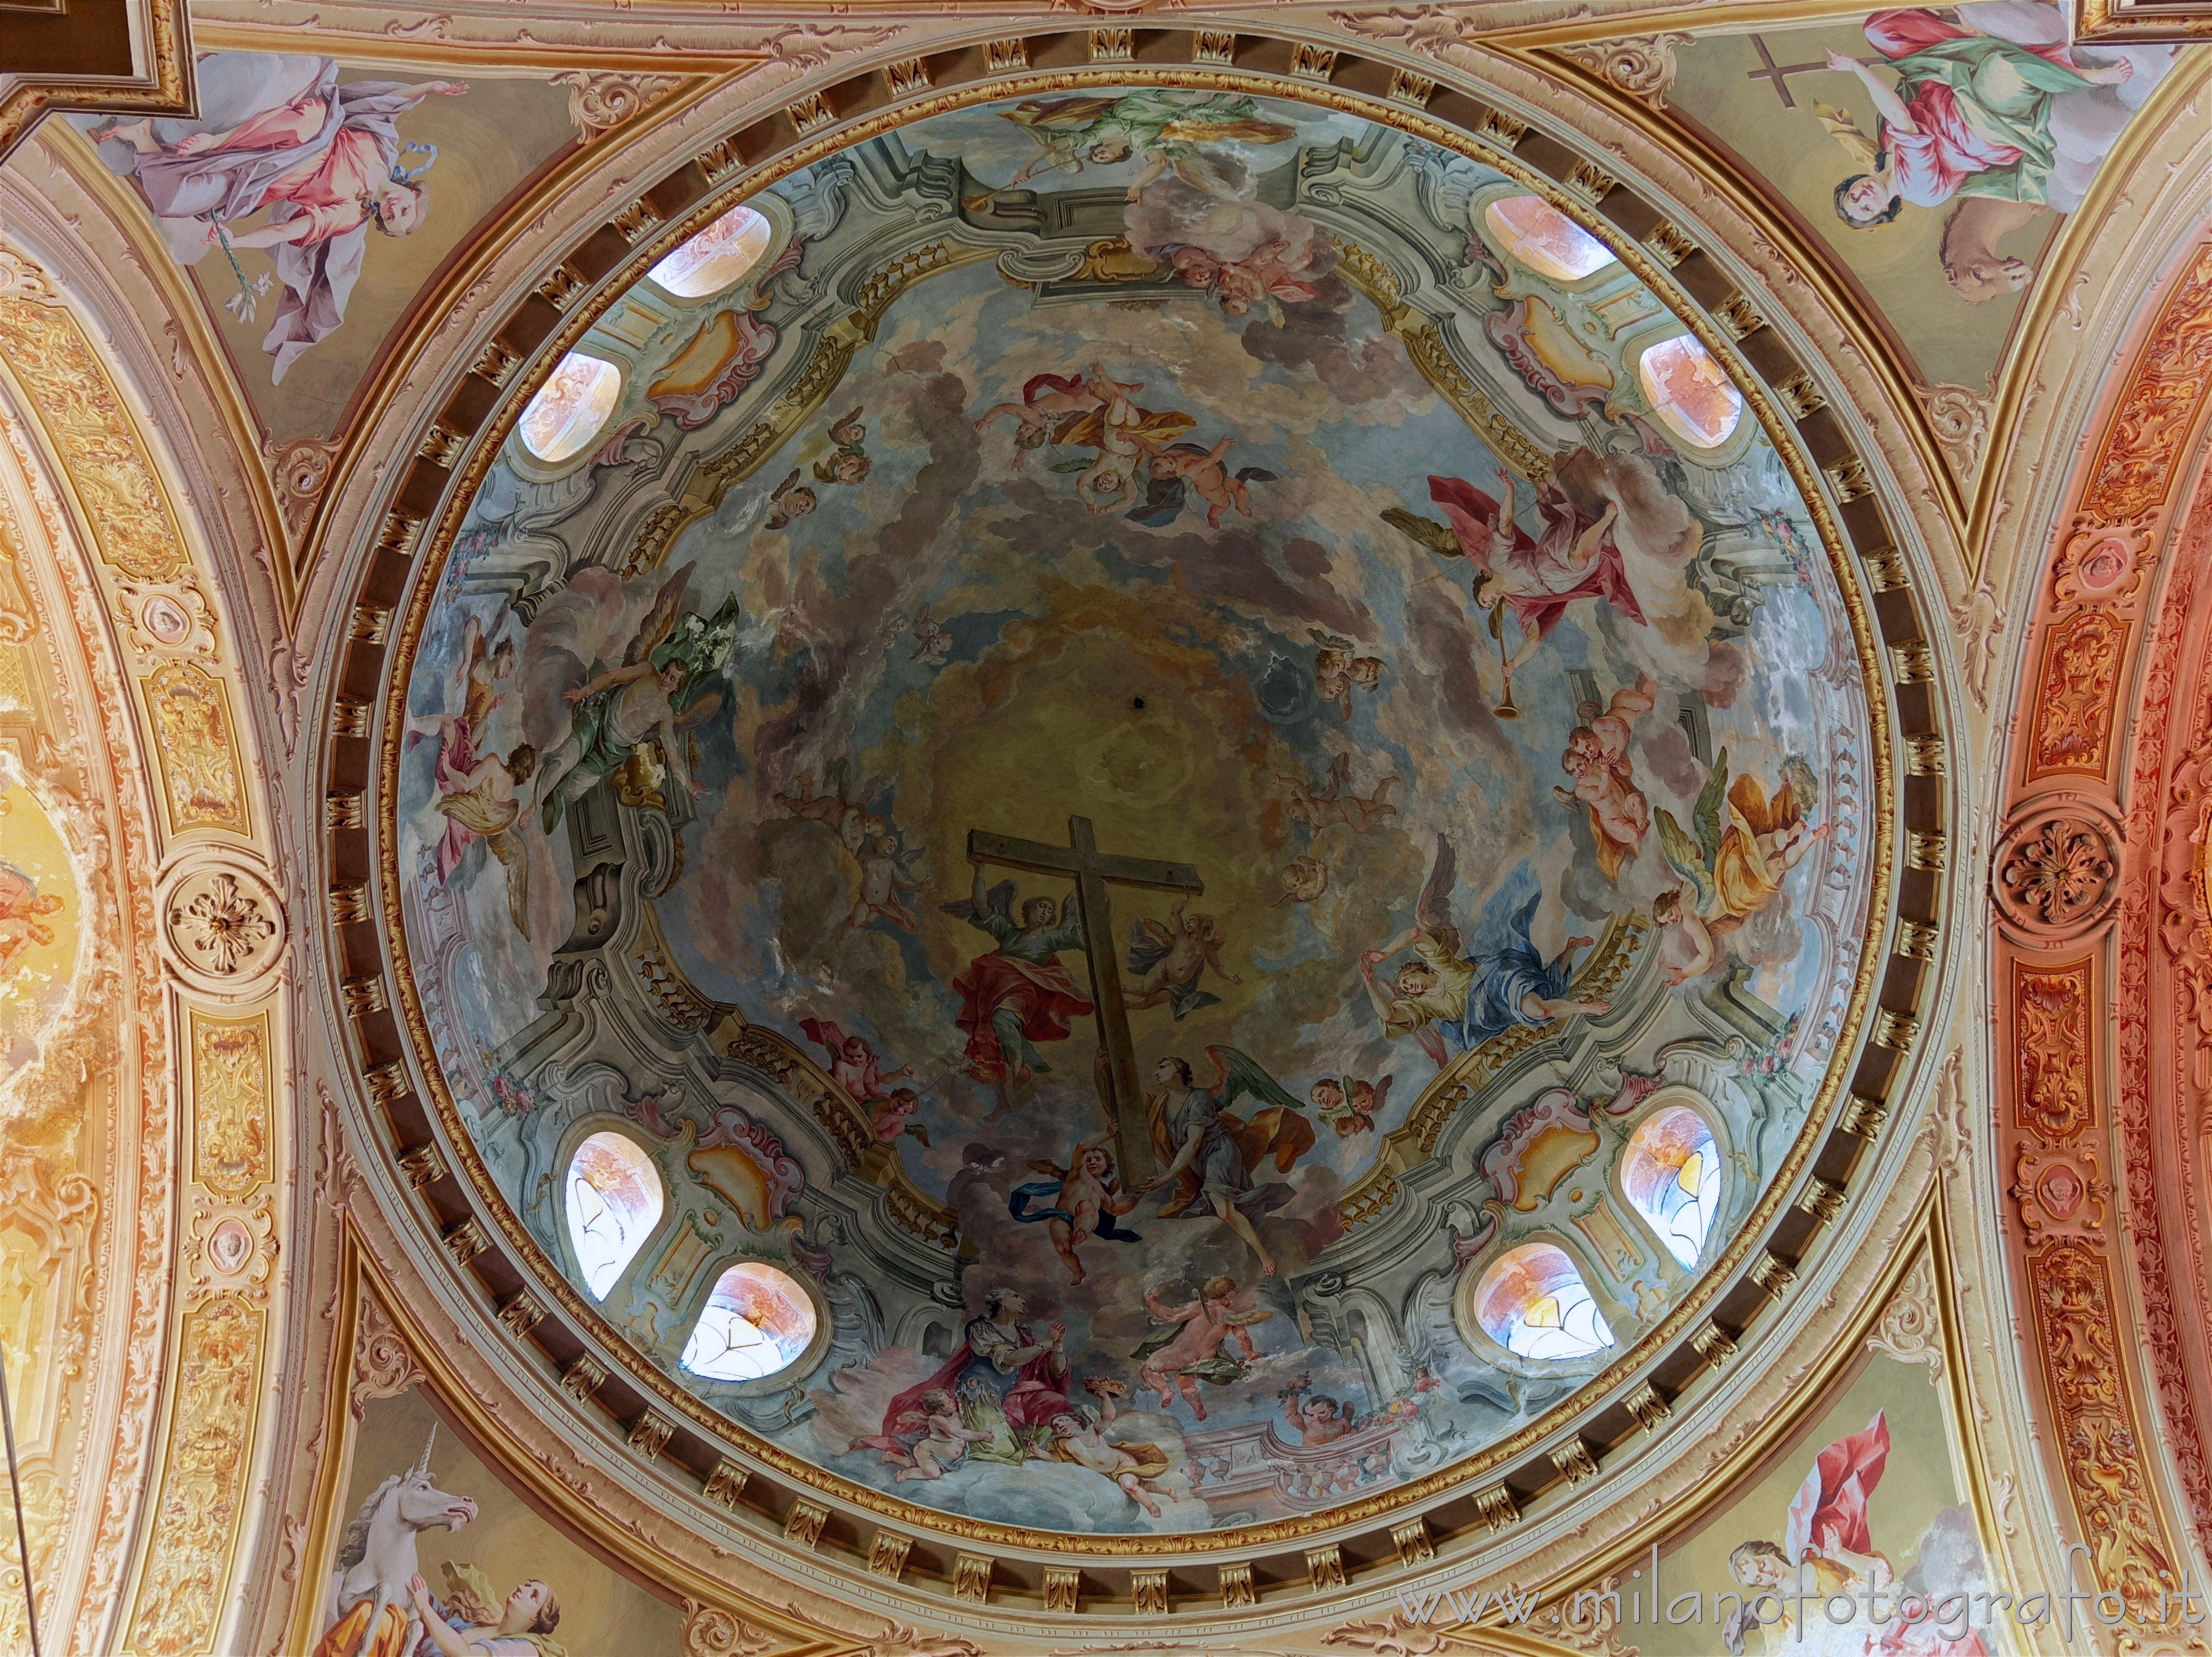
1733 866
1212 1155
1163 129
657 692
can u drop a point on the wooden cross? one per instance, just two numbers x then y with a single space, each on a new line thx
1092 871
1779 74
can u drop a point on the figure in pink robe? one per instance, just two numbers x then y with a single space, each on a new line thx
280 133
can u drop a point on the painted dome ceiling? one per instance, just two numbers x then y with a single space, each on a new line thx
1137 812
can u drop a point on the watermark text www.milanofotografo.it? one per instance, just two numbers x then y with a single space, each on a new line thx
1798 1612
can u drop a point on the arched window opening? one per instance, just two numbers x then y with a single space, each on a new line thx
1533 1301
1672 1173
717 257
757 1321
1545 239
614 1202
1690 392
571 408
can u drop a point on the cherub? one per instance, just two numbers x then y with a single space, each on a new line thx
1336 669
1172 957
1315 1417
940 1442
1176 470
1115 428
1450 1005
1082 1440
1597 759
1048 401
1188 1349
883 875
1329 804
1302 880
657 692
892 1118
485 803
1086 1201
932 642
854 1065
1734 870
850 465
1347 1105
785 502
23 909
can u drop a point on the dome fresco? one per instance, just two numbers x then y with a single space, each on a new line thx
1135 763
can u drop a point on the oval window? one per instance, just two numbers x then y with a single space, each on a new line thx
1690 392
757 1321
1545 239
1672 1173
1533 1301
614 1202
570 408
717 257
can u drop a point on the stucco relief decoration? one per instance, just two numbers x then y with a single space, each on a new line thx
2134 473
230 1089
1912 1328
1961 420
197 758
2057 874
301 469
2057 1189
600 100
2102 563
223 927
2052 1010
383 1367
2081 658
1641 65
123 499
2072 1290
195 1523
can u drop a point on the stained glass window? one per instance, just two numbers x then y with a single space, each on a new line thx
1690 392
1672 1173
757 1321
614 1202
1545 239
717 257
1533 1301
570 408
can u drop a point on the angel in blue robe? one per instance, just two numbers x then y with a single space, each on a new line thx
1452 1004
1211 1154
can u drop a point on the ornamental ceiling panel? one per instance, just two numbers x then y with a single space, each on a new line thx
1131 813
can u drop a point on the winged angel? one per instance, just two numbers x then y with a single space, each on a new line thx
1452 1004
1732 866
1212 1155
659 692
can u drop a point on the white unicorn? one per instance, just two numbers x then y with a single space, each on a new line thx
376 1558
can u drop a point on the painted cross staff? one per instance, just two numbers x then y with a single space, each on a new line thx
1093 871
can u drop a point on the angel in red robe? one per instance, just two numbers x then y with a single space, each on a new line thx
1536 577
1019 994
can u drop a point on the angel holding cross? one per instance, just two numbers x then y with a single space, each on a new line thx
1019 994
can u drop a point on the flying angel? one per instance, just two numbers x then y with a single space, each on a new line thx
1212 1155
657 692
1732 866
1451 1004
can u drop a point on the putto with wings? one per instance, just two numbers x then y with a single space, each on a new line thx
659 692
